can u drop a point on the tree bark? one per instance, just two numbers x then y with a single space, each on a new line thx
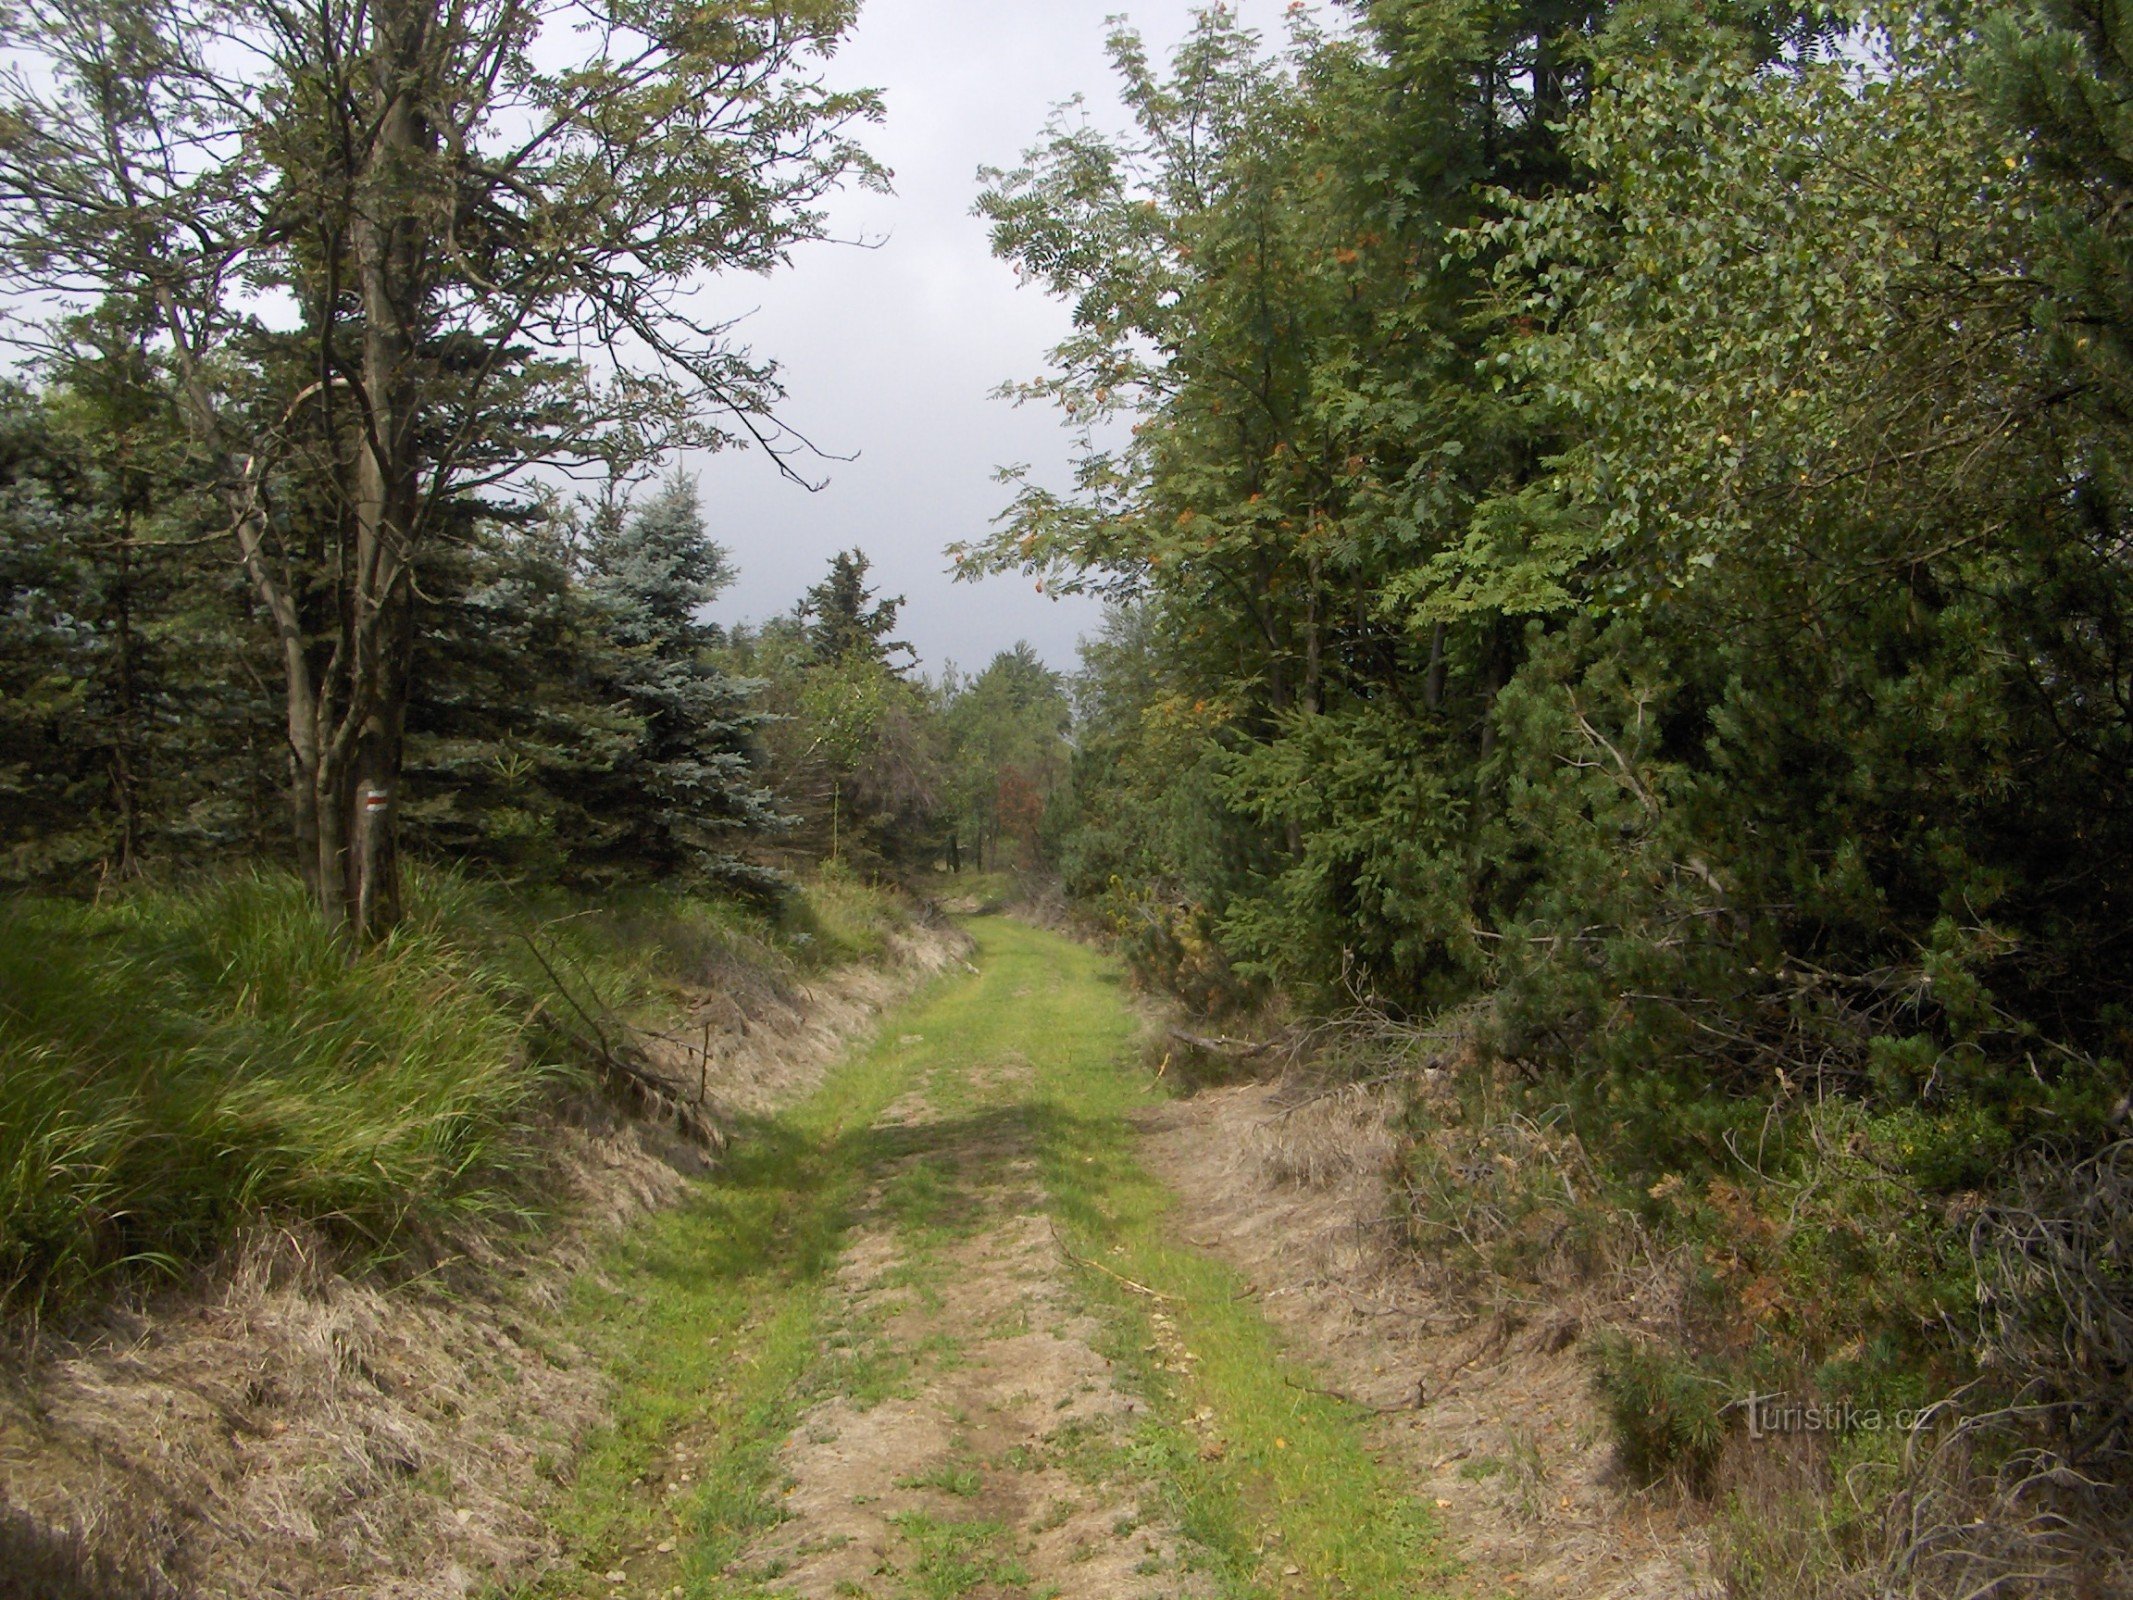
1495 673
388 241
308 780
125 777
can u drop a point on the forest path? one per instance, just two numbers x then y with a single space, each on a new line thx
932 1334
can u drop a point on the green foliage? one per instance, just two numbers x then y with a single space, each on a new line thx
1006 753
843 703
521 741
446 313
177 1066
132 725
684 794
840 918
844 618
1769 697
566 718
1791 752
1623 529
1668 1416
1144 829
852 743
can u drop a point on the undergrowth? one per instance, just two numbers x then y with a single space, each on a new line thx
179 1065
1878 1345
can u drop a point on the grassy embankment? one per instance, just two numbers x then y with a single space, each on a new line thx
180 1065
723 1328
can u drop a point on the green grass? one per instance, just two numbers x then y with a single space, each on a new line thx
985 892
173 1066
714 1320
721 1329
1296 1483
841 917
960 1481
948 1559
177 1065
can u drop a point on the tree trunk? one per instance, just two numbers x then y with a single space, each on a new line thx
327 824
387 240
125 776
316 852
1495 673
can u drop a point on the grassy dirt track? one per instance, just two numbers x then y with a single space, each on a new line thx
931 1333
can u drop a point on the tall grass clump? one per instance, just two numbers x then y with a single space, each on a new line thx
175 1064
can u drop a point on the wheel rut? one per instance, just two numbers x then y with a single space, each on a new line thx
973 1442
932 1334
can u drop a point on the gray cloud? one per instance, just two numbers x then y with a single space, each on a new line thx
891 353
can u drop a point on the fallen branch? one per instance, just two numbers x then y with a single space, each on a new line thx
1218 1045
1420 1400
1132 1283
649 1088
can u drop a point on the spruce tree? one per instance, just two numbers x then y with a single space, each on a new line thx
134 735
844 618
679 803
51 791
511 734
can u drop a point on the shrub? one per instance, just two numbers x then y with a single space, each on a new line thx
1668 1414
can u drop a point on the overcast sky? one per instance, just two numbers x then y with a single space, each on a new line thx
892 353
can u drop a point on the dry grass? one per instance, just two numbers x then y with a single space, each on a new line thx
2026 1497
279 1426
1485 1403
1321 1138
1497 1215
